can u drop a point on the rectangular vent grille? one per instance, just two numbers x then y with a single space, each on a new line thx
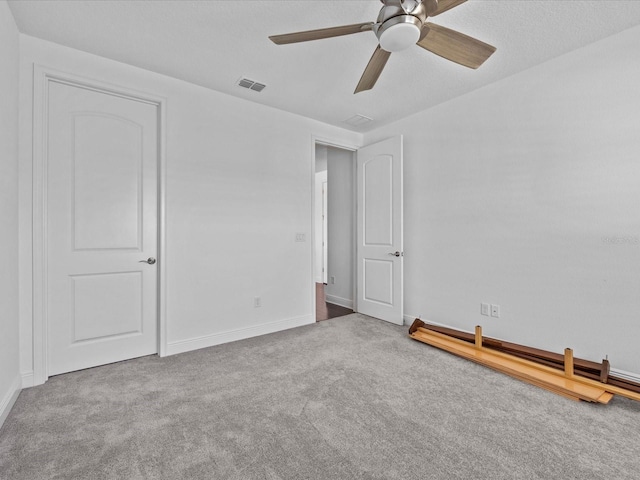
251 85
357 120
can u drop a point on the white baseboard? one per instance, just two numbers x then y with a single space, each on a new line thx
27 380
6 404
408 320
633 377
239 334
343 302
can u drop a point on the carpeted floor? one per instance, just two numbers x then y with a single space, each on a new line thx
349 398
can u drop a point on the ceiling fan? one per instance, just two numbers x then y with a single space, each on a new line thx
400 24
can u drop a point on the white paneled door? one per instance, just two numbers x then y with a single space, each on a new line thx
101 227
379 231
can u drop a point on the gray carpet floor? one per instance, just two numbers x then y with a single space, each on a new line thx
348 398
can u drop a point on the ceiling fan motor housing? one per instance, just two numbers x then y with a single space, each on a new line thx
400 22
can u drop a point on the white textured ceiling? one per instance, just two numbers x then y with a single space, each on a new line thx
213 43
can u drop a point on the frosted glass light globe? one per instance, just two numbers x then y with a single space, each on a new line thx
399 37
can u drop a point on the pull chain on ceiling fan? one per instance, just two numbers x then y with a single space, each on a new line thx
400 24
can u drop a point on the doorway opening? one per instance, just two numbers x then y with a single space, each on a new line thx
335 240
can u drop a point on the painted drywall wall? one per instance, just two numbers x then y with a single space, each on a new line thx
10 381
526 194
341 226
321 158
239 183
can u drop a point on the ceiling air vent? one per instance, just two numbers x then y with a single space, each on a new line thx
357 120
251 85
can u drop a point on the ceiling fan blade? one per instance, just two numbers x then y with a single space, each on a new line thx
320 33
373 70
455 46
444 5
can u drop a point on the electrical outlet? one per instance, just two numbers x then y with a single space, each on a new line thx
333 280
257 302
495 311
301 237
484 309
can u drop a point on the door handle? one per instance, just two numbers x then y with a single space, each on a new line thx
395 254
149 260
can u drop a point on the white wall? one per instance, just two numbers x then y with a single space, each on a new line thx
239 187
526 194
321 158
9 358
341 228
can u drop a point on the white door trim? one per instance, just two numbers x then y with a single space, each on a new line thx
316 140
42 76
325 228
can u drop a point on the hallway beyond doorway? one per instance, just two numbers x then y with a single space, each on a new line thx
324 310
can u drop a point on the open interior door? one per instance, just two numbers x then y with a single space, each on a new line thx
379 231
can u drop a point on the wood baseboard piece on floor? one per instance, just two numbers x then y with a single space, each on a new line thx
522 369
594 370
584 371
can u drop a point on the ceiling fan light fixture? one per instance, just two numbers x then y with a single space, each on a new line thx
399 33
401 24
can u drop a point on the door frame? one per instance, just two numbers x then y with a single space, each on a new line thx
317 140
42 77
321 177
325 230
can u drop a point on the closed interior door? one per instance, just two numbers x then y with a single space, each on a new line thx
101 228
379 231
